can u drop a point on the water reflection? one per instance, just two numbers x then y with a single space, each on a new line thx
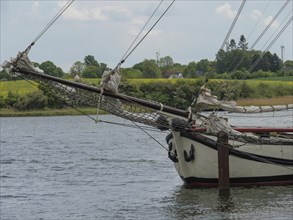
239 203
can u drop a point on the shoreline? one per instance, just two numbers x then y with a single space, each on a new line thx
49 112
283 100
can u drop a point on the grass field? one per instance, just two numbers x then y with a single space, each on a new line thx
49 112
266 101
22 87
284 78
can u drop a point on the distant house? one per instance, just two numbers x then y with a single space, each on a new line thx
176 76
172 74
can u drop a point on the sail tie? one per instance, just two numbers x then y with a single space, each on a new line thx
99 105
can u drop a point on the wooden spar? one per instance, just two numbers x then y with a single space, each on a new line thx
151 105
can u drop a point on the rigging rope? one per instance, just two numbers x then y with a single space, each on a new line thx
233 24
229 91
54 19
261 35
121 61
126 56
271 44
269 25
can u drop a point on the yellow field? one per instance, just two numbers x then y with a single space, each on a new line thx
266 101
21 87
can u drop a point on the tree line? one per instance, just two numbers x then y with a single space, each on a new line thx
234 62
179 93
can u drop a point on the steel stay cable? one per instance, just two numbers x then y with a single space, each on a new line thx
271 22
54 19
261 35
233 24
258 60
271 44
253 29
122 61
141 31
153 138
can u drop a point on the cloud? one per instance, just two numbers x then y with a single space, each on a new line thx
268 19
226 10
87 12
82 14
255 14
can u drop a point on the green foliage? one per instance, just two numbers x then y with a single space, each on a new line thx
149 69
166 62
242 44
92 68
130 73
2 102
77 69
51 69
190 70
11 98
178 93
35 100
92 72
90 60
4 76
288 63
52 100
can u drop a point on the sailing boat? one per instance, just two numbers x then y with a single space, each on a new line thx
257 156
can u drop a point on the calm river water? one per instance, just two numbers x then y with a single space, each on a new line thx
71 168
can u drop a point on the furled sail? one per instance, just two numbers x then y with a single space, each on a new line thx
206 100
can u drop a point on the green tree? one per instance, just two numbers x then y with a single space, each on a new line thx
276 63
35 100
11 98
288 63
203 65
90 60
2 102
149 69
103 67
92 72
222 61
131 73
242 44
51 69
166 62
77 68
232 45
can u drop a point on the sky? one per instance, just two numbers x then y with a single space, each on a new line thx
191 30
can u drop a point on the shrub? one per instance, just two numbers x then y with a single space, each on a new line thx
35 100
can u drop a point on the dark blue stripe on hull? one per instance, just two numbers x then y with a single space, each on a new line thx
237 153
244 181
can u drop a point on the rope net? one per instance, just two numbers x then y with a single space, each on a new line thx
107 98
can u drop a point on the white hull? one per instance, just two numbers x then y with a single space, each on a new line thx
272 165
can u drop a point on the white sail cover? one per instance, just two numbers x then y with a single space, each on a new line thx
205 98
21 61
111 80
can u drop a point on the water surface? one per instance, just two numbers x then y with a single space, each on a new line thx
68 167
